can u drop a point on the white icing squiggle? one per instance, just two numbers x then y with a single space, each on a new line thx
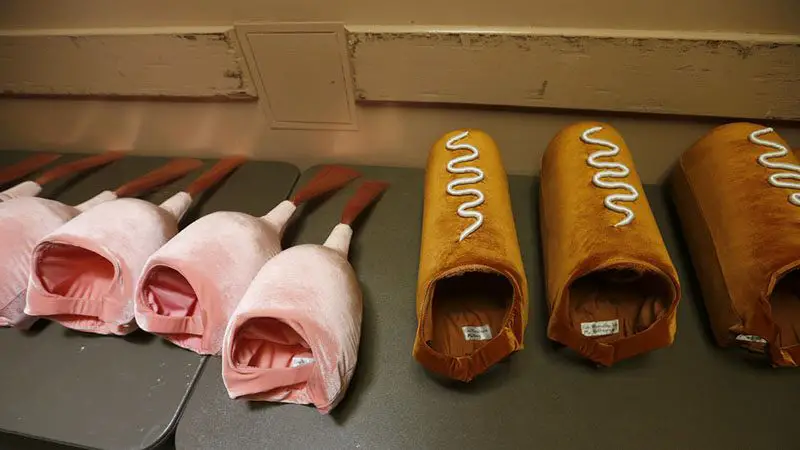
781 151
463 209
619 171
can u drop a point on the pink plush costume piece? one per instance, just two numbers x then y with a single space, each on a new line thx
33 188
191 286
83 275
294 336
26 220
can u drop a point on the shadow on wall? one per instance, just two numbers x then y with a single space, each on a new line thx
388 134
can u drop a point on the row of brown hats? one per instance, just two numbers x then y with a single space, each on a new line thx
612 289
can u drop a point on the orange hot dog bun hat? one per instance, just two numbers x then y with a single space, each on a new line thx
737 195
611 287
472 294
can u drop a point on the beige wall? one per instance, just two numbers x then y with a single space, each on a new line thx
389 135
688 57
751 16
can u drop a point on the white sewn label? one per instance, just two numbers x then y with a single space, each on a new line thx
601 328
751 338
298 361
481 333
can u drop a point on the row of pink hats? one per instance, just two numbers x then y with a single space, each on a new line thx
287 323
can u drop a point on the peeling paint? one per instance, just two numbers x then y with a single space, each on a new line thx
542 89
652 74
183 65
237 75
672 75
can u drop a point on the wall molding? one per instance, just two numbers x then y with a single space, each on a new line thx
705 74
745 76
199 63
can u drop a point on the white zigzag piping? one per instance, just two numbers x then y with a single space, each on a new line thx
621 171
451 167
781 151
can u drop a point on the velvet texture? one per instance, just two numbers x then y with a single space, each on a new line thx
475 282
191 286
84 274
742 235
311 297
596 271
24 221
294 336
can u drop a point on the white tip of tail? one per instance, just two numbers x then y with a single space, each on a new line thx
105 196
339 239
280 215
24 189
177 205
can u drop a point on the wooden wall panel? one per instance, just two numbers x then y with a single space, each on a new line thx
713 76
151 62
725 75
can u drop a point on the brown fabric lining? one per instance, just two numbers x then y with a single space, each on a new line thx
633 297
785 302
469 299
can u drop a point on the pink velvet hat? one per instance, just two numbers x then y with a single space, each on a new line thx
32 188
190 287
294 336
84 274
26 220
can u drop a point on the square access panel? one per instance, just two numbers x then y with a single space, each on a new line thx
302 73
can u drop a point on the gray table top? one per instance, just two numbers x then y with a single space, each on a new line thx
692 395
111 392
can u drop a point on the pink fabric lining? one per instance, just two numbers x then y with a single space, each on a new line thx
23 221
170 302
78 299
168 293
212 262
268 343
56 273
312 290
262 369
119 234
